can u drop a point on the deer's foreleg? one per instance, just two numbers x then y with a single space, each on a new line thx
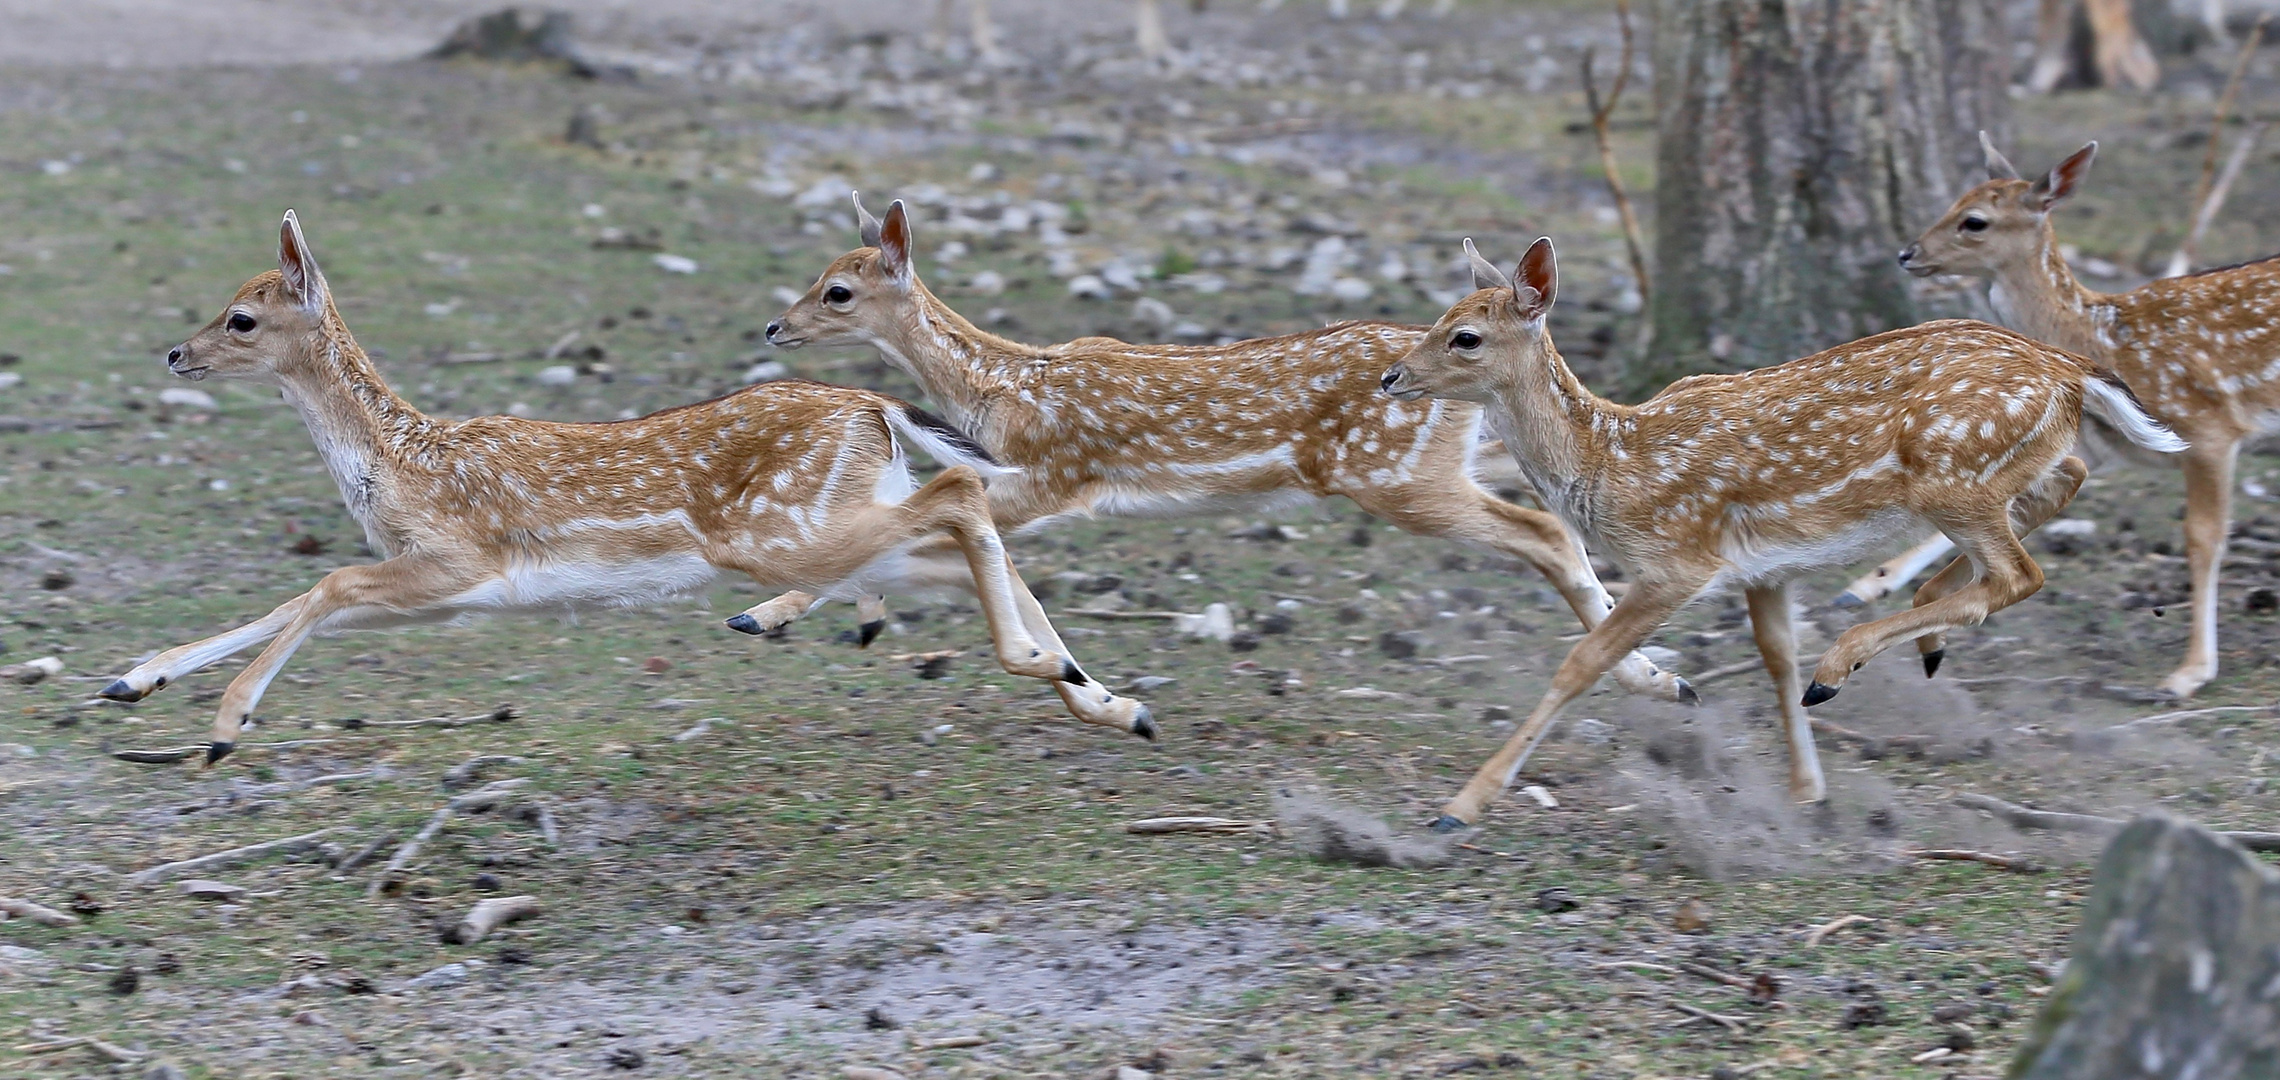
156 673
1648 605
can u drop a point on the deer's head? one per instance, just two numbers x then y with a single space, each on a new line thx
864 295
275 323
1998 222
1489 339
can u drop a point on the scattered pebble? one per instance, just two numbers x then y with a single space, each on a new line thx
447 975
557 375
202 889
674 264
187 398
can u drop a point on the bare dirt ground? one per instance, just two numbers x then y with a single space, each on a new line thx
789 857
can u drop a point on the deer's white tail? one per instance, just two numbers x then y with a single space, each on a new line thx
944 442
2108 397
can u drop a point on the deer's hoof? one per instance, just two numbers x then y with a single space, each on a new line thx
1847 600
120 690
1818 693
1932 662
1144 724
216 751
1686 694
1072 674
1449 823
744 623
868 633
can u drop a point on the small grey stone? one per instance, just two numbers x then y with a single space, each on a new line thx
202 889
447 975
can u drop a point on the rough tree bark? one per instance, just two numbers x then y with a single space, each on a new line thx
1799 144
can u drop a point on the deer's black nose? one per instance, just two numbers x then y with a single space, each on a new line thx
775 328
1392 376
174 356
1909 253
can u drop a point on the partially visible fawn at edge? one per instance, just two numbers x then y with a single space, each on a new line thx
1100 426
2202 351
1752 480
795 484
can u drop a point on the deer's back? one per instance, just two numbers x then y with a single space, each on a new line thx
2202 346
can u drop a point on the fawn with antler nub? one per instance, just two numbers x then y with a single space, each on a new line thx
2202 351
1099 426
794 484
1751 480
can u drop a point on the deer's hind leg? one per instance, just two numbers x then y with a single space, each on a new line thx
1472 516
893 556
779 611
2029 510
2006 576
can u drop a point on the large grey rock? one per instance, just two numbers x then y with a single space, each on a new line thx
2175 970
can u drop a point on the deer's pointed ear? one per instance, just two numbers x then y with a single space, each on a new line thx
2062 178
1539 278
1485 274
303 280
864 221
894 243
1998 166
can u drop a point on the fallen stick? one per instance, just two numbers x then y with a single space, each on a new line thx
168 756
1842 733
547 827
951 1042
485 798
1160 616
2000 862
232 857
1705 971
500 715
1636 965
1821 933
12 908
2182 714
489 915
470 770
1728 1022
364 854
120 1054
1163 825
2021 817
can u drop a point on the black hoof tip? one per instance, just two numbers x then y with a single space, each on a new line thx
1144 724
1932 662
218 750
120 691
1448 823
1847 600
1818 693
1686 694
1072 674
868 633
745 624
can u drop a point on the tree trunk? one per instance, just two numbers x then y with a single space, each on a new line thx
1800 144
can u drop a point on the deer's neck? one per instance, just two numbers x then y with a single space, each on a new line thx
360 426
2038 296
1553 426
967 371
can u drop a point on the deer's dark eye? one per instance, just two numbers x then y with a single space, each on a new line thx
839 294
1974 224
1464 339
241 322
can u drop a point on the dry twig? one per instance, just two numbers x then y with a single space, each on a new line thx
2208 195
1601 111
489 915
2021 817
232 857
2001 862
1162 825
120 1054
1705 971
12 908
1821 933
1730 1023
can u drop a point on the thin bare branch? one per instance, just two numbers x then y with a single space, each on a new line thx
1601 111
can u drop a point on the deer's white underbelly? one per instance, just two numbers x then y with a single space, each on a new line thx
1763 551
554 584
